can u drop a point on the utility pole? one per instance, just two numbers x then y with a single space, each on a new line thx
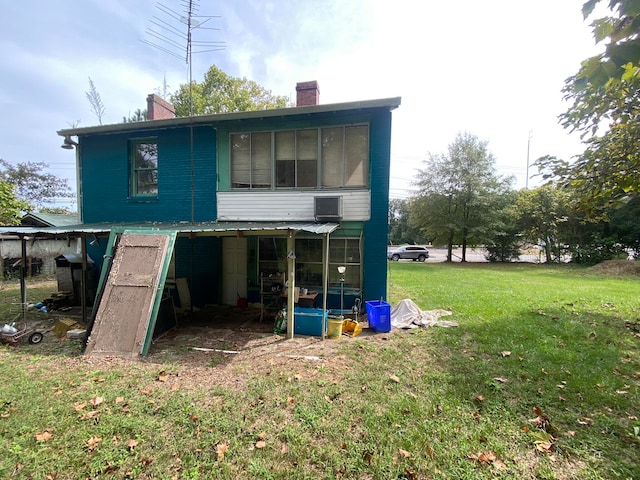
526 181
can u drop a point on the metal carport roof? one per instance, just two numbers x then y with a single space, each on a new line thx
219 228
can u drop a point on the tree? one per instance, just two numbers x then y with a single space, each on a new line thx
544 213
138 116
456 194
625 227
57 210
32 185
11 207
400 231
504 239
605 108
222 93
95 101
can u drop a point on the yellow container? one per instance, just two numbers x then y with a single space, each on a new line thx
334 328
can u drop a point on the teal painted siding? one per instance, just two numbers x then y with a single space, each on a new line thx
376 230
105 188
106 177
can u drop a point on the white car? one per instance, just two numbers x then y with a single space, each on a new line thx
411 252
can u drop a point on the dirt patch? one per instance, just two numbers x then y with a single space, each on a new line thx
230 357
618 268
223 347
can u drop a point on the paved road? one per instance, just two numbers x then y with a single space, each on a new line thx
473 255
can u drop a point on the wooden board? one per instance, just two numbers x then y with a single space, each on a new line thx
125 310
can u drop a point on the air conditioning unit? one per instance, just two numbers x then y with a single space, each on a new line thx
328 209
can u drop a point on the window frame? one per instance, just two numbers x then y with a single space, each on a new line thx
134 170
337 245
277 162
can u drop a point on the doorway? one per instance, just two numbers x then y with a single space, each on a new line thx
234 269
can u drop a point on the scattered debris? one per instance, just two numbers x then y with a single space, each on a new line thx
217 350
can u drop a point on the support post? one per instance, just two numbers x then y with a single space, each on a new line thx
325 283
23 282
83 280
291 282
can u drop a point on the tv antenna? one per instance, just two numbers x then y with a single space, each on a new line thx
173 39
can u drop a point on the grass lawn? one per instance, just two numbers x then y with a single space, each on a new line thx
540 380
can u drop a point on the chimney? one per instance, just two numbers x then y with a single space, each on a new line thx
158 108
308 94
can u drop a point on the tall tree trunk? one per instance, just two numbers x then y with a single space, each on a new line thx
450 247
547 249
464 245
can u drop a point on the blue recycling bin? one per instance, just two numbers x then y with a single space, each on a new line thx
379 315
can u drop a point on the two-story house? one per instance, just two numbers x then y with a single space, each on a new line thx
295 191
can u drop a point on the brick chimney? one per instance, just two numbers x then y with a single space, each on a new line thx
158 108
308 94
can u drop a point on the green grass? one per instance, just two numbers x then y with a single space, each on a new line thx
428 403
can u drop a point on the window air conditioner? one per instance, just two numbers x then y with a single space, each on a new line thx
328 209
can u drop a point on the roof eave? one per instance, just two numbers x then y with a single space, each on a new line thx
390 103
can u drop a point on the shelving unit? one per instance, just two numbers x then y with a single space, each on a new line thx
271 288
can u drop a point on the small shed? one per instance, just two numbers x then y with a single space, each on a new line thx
69 276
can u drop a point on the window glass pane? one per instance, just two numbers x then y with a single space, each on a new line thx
147 182
145 168
261 160
309 250
352 250
336 250
240 160
307 145
309 274
272 254
146 155
332 147
356 156
285 159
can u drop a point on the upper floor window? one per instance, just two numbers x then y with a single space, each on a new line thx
308 158
144 167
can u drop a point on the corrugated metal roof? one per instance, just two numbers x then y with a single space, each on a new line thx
390 103
180 227
52 219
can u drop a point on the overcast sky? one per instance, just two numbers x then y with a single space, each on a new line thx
494 68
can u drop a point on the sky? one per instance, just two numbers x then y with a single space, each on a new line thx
493 68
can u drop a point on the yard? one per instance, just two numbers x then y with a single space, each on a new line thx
540 380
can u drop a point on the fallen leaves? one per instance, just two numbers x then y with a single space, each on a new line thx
221 449
542 421
93 442
543 441
44 436
404 453
542 438
488 458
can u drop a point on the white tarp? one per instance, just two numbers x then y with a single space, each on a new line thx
406 314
